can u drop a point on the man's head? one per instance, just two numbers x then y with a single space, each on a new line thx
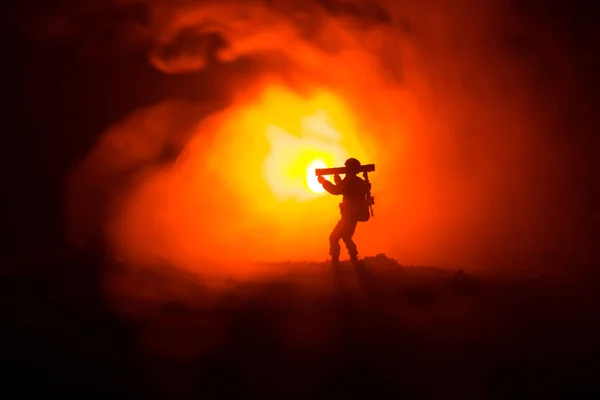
352 166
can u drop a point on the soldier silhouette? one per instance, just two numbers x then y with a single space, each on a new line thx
353 207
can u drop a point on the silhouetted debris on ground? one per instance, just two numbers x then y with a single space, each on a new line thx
306 330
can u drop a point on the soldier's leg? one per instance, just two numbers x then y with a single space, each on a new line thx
334 241
347 232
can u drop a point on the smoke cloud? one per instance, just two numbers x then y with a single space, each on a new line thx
448 99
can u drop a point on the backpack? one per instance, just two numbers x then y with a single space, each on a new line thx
364 210
358 201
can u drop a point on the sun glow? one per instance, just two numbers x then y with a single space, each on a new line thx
246 179
289 168
311 179
302 136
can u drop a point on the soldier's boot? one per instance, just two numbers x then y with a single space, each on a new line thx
352 250
334 250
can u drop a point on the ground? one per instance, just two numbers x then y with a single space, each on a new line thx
308 331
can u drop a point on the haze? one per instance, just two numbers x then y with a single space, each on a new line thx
440 96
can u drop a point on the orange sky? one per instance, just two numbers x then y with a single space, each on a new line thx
243 191
453 124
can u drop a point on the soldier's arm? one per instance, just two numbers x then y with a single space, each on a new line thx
332 188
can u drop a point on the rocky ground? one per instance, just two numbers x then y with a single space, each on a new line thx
305 331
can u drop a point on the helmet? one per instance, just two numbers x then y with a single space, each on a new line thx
352 165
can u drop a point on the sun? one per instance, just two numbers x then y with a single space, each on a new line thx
289 167
311 179
301 134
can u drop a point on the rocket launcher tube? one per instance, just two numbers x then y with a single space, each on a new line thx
342 170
